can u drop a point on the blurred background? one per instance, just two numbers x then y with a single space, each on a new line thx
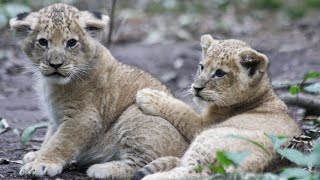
158 21
162 37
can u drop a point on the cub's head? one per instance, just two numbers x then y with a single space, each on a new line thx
60 40
230 72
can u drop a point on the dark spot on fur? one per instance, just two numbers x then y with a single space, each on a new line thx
137 175
251 65
149 170
23 15
96 14
23 30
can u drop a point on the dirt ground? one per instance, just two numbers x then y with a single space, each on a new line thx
292 51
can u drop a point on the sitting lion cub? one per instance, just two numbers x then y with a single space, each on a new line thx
233 86
89 98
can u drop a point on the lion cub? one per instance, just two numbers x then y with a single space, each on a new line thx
89 98
233 86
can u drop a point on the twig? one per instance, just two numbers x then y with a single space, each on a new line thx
113 9
310 102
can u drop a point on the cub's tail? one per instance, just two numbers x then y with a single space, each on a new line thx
161 164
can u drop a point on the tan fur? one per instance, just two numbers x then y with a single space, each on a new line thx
241 103
91 103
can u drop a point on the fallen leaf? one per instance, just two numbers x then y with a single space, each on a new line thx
4 126
29 131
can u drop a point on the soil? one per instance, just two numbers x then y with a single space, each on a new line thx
292 51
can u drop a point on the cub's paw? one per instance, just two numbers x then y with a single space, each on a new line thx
98 171
41 168
30 156
150 100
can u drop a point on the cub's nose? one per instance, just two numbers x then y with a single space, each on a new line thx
55 65
198 89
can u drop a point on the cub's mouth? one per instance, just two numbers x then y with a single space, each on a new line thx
198 97
57 77
54 74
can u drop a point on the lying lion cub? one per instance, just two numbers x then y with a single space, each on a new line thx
233 86
89 98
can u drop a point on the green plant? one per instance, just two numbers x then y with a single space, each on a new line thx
295 156
175 7
267 4
295 89
313 3
29 131
260 146
224 160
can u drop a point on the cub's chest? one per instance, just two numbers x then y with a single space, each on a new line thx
48 106
51 103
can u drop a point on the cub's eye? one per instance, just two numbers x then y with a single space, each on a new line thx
201 67
71 43
43 42
219 73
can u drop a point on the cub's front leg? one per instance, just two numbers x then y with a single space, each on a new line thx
179 114
71 136
31 156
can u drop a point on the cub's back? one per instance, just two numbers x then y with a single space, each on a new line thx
117 90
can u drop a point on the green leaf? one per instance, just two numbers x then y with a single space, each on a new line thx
294 89
311 75
237 157
316 152
277 141
313 88
29 131
217 169
198 169
223 159
296 173
300 158
257 144
4 125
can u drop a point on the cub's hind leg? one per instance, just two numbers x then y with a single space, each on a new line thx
138 140
203 150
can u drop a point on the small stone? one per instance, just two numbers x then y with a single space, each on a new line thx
4 161
178 63
168 76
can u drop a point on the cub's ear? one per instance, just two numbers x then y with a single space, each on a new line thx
253 61
206 41
23 24
94 23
